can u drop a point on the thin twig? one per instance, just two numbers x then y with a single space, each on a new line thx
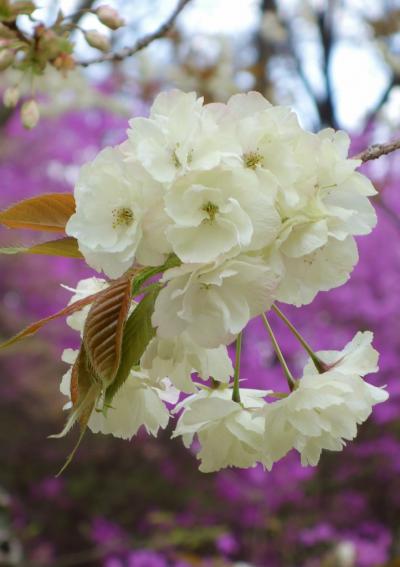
236 377
289 377
82 11
377 150
319 365
141 43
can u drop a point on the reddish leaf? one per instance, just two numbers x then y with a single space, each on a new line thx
85 392
49 212
34 327
81 377
104 327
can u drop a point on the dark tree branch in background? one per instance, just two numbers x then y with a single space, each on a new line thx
81 11
141 43
265 49
326 106
394 81
301 72
377 150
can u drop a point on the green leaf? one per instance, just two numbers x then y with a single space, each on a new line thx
138 332
64 247
145 273
13 250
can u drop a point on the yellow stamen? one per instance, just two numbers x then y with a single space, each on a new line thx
122 216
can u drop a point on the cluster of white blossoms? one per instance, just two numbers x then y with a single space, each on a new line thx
253 209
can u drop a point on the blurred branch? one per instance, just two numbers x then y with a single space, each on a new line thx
81 11
326 106
377 150
5 115
298 66
382 100
264 48
141 43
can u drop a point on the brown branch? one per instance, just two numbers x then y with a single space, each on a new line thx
377 150
141 43
82 11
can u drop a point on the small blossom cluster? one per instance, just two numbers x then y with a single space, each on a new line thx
252 209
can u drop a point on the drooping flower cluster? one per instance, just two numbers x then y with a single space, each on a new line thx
237 206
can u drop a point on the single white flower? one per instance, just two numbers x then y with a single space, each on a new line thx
213 303
180 357
84 288
139 402
217 211
324 208
230 434
111 199
264 137
179 136
323 269
324 409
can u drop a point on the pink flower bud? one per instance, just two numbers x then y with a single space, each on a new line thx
6 58
109 17
11 97
30 114
97 40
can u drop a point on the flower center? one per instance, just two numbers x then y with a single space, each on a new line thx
122 216
252 159
211 210
175 160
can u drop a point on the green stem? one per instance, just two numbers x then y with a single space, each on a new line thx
290 380
319 365
236 389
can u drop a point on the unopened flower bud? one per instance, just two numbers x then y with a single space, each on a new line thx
97 40
11 97
30 114
109 17
64 63
6 58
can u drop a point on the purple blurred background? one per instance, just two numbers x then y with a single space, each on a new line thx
144 503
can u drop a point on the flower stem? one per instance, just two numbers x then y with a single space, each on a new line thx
291 381
319 365
236 390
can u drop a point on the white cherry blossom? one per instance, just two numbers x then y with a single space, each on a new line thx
111 200
249 208
217 211
327 205
324 410
265 136
179 136
138 403
213 303
178 358
230 433
323 269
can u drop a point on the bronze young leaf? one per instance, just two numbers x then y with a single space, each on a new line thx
49 212
104 327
